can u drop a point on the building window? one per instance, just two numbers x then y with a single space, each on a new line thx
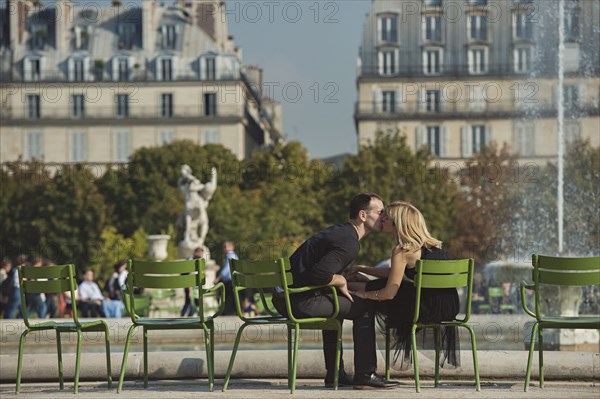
77 69
79 147
389 101
571 25
388 62
434 140
478 2
477 60
433 28
478 138
123 72
78 106
82 37
523 26
211 136
524 138
210 104
39 35
166 105
122 145
210 68
32 67
122 102
432 100
164 69
34 146
432 61
126 36
433 3
166 136
33 106
571 97
572 130
478 27
169 36
388 29
522 59
477 101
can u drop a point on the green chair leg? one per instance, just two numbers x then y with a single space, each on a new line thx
78 360
233 353
124 363
530 357
295 365
338 355
209 370
108 362
474 350
20 360
212 357
387 354
289 346
541 355
61 380
438 332
413 337
145 357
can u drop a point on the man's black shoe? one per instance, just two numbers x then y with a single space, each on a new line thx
344 380
373 381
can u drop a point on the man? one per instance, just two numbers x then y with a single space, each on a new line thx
91 300
225 277
320 260
189 308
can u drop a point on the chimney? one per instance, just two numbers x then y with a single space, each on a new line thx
116 3
64 19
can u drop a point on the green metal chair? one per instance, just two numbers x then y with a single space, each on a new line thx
439 274
265 276
57 279
557 271
495 300
169 275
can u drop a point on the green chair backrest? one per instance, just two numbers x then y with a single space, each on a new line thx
164 275
553 270
259 275
47 280
444 274
565 271
495 292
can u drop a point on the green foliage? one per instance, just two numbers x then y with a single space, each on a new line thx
113 247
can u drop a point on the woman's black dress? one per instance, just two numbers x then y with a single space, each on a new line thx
437 304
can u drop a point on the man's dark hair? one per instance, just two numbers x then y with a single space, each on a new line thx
361 202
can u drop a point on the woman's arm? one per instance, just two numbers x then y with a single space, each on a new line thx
399 260
379 272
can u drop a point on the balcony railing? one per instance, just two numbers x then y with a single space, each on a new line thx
465 108
95 113
105 74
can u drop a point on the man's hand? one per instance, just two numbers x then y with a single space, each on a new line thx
339 282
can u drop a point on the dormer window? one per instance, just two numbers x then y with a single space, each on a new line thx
523 26
477 25
387 26
82 37
78 68
32 68
121 68
126 36
165 68
39 36
169 36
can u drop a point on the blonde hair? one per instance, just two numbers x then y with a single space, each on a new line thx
411 230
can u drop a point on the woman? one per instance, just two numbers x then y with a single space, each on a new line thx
397 308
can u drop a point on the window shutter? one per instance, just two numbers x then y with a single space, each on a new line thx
27 69
422 106
467 148
380 62
201 69
488 135
443 141
421 138
377 100
71 68
115 68
379 30
580 96
396 61
86 68
174 66
130 64
399 101
218 66
470 61
158 68
42 67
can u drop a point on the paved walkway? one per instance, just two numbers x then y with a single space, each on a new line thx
307 388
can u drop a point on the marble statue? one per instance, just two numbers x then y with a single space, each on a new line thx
197 195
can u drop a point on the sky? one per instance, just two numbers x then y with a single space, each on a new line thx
310 47
308 50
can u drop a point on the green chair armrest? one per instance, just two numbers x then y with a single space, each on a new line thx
404 278
525 285
219 286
